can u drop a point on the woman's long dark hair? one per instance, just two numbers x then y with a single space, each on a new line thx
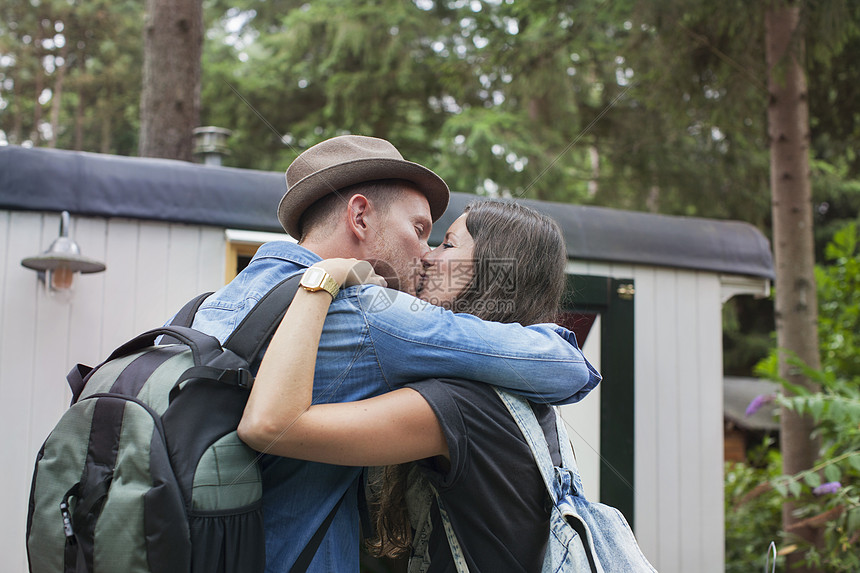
518 259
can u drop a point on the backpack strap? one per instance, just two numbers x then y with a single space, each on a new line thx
185 316
257 328
559 482
568 459
367 527
247 341
523 415
303 562
203 346
77 377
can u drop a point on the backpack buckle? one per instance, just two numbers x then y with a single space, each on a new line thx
67 520
240 377
244 378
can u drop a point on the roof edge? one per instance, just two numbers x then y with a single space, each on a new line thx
176 191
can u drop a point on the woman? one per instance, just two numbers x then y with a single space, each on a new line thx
500 261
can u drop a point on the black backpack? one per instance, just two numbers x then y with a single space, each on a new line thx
145 472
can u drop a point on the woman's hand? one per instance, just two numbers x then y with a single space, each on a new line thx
350 272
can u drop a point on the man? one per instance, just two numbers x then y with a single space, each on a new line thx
356 197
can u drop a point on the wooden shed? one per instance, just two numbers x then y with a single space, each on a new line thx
645 297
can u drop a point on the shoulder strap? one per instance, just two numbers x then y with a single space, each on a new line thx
568 460
456 550
185 316
307 555
533 433
255 330
524 417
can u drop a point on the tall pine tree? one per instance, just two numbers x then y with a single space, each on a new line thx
170 100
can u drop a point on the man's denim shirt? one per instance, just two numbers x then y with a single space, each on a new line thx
374 340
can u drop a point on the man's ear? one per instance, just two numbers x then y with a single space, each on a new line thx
358 208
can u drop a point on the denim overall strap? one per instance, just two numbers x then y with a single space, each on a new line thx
453 542
523 415
568 460
565 490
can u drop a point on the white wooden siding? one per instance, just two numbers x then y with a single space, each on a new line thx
678 500
152 269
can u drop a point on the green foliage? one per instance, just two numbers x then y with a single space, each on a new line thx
748 336
752 521
839 312
77 62
836 195
561 101
322 69
827 495
644 106
835 512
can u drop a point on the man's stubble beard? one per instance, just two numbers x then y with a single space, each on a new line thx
390 264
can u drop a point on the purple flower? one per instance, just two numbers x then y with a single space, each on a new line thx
829 487
758 402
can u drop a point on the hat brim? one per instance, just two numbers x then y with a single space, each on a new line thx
320 183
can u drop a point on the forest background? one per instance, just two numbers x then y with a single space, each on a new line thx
654 106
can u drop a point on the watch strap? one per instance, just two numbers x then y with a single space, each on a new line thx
320 281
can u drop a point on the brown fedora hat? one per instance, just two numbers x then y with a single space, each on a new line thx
346 160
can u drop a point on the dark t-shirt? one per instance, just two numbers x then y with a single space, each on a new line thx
493 491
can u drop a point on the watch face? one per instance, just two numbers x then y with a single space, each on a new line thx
313 277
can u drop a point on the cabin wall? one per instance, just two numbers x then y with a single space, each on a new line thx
152 269
678 407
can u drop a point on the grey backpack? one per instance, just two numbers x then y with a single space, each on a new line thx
144 472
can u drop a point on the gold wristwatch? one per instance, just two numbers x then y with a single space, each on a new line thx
316 279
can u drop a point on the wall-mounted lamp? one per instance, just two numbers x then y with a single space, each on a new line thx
62 260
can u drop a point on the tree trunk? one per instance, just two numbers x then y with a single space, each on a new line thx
79 119
106 139
796 306
15 137
35 134
82 90
57 99
594 158
170 100
653 200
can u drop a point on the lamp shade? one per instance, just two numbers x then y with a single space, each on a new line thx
63 253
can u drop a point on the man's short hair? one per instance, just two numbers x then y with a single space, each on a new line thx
323 214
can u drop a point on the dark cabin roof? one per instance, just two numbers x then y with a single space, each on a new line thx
175 191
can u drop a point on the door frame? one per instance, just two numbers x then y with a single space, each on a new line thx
613 299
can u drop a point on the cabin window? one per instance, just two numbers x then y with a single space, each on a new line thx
241 247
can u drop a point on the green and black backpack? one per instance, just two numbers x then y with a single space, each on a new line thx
145 472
